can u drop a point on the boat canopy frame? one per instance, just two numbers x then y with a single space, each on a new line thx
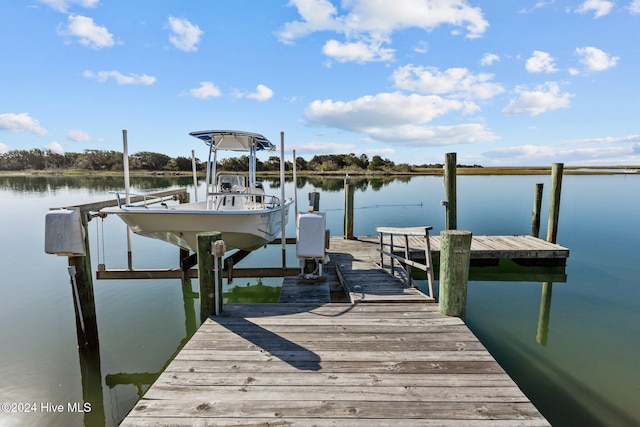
231 140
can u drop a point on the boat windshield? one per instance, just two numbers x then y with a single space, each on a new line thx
228 183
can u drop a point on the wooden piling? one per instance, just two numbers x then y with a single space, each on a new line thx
451 203
209 277
348 209
554 204
537 206
455 253
86 323
184 253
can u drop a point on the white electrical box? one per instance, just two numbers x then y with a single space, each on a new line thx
64 233
310 229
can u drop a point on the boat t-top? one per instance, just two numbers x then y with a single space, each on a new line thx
235 204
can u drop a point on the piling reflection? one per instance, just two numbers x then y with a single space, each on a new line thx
510 271
545 314
90 367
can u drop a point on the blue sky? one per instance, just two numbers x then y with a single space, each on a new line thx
500 83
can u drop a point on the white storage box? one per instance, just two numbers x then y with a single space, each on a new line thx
64 233
310 229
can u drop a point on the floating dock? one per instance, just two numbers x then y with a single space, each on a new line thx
384 357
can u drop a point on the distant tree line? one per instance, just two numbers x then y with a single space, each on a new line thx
103 160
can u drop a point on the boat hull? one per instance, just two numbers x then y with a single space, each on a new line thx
180 224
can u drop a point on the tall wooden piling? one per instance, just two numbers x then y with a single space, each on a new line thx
554 203
209 275
348 208
537 206
455 254
85 307
450 203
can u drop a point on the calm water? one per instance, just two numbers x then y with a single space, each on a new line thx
585 373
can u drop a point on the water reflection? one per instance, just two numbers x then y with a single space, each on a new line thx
545 313
51 183
334 183
91 376
96 184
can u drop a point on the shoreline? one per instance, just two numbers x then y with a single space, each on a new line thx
500 170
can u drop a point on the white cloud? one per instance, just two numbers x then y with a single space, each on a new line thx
546 97
3 148
397 119
382 152
411 135
599 7
423 47
317 15
79 136
634 6
359 51
458 82
540 62
547 154
55 147
384 109
184 35
489 59
604 140
205 90
262 93
121 79
367 24
600 150
63 5
595 59
22 122
323 147
88 33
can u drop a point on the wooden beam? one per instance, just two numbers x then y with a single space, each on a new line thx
122 274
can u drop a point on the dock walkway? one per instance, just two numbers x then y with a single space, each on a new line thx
388 358
335 364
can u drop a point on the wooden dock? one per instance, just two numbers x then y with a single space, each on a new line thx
519 247
334 364
385 357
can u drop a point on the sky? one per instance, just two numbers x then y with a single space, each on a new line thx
499 83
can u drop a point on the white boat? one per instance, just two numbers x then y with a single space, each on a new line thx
235 204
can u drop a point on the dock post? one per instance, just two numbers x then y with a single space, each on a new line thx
537 206
554 204
348 208
184 253
451 204
209 275
85 305
455 253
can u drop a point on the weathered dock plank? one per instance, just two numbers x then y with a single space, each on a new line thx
487 247
334 364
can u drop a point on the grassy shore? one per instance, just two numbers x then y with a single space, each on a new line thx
502 170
